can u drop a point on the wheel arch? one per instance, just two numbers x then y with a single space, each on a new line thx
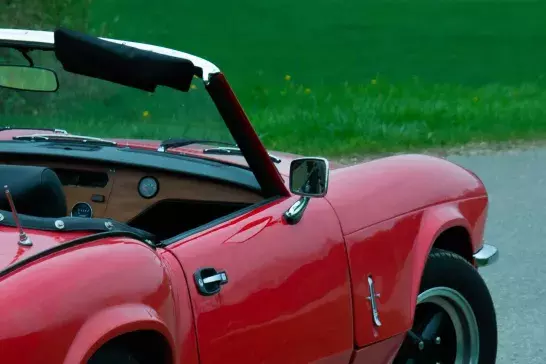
119 324
150 346
455 239
442 227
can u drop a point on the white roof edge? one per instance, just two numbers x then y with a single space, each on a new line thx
47 38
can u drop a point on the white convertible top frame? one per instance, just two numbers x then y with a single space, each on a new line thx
45 40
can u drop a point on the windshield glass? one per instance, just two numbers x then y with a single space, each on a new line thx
93 107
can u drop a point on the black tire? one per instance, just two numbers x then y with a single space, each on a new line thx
446 270
113 355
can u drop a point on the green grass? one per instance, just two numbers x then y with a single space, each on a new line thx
366 76
384 117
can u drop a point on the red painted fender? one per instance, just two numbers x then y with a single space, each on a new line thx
391 210
62 307
469 214
394 253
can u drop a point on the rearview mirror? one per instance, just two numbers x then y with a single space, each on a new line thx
309 177
28 78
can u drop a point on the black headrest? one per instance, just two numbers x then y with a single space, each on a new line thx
36 191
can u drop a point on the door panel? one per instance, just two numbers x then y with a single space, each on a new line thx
288 296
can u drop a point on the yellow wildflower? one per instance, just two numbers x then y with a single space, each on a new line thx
146 113
287 77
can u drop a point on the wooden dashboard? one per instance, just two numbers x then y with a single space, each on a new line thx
114 192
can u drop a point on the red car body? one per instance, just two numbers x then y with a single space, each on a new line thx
296 293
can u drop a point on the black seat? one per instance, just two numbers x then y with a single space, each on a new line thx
36 191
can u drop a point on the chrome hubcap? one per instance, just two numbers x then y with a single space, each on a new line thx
445 330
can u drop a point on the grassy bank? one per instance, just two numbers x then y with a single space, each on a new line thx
381 116
351 77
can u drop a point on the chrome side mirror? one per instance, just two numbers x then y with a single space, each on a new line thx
308 178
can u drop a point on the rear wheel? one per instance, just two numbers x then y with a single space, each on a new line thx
455 321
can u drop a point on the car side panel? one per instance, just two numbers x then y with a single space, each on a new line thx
383 252
399 248
61 308
380 353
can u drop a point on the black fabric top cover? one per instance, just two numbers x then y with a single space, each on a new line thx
36 191
86 55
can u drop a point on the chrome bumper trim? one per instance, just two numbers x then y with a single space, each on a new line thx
487 255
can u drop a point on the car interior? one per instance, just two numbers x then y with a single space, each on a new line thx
157 202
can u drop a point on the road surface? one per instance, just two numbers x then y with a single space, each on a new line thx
516 181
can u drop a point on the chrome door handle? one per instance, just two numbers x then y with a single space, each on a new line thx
209 281
220 277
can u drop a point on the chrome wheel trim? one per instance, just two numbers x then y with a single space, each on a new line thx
463 319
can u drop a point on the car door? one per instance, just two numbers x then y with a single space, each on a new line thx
285 296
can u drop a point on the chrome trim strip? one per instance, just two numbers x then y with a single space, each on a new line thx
47 38
372 299
63 136
487 255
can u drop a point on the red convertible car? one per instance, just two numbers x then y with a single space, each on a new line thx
205 247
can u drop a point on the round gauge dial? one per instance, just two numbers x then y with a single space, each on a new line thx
148 187
82 209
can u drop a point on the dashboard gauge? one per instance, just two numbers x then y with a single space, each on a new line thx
148 187
82 209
